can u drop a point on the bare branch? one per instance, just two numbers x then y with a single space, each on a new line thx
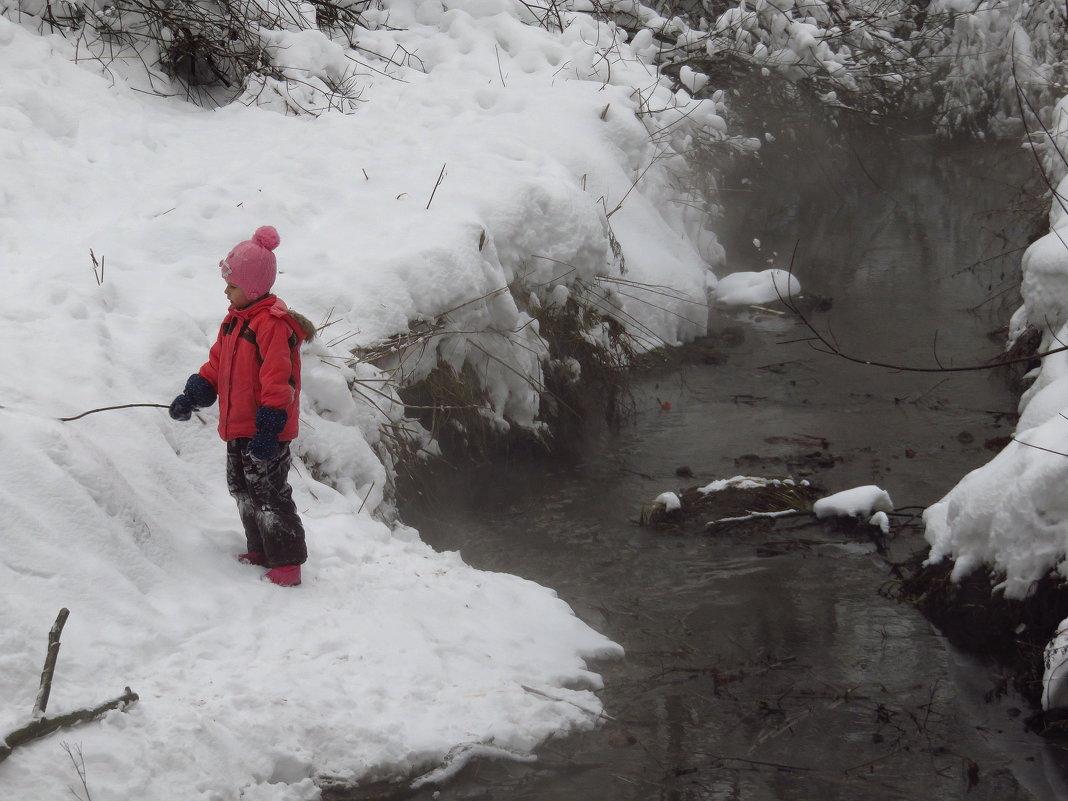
1039 447
441 177
833 349
111 408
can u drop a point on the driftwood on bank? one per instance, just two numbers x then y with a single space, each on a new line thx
42 726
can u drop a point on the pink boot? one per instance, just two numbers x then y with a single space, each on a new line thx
253 558
284 576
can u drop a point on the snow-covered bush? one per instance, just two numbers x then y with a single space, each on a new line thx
971 67
854 54
1003 60
212 52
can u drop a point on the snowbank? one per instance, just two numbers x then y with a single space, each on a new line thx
389 655
1011 514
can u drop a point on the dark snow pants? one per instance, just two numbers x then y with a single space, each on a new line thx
265 504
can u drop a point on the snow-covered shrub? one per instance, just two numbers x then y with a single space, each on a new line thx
1003 63
218 50
856 54
971 66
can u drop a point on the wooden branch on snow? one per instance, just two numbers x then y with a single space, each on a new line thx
42 726
50 664
45 726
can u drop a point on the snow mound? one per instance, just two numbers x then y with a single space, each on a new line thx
755 288
669 500
862 502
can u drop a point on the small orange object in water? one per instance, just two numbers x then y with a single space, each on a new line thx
666 406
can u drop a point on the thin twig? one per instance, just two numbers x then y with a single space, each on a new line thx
78 760
441 177
365 497
637 180
111 408
499 70
1039 447
1020 100
98 268
834 350
601 714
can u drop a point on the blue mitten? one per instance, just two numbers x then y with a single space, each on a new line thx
181 408
198 393
199 390
269 424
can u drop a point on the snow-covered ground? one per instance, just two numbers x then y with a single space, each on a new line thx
389 654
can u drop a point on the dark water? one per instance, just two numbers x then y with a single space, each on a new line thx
768 665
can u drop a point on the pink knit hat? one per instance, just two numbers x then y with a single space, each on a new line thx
251 265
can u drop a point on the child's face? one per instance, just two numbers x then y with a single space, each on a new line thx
236 295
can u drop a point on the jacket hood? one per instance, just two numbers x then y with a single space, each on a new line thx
276 307
305 328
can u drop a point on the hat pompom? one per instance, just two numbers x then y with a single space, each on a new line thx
266 237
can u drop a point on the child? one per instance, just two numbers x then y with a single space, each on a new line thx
254 370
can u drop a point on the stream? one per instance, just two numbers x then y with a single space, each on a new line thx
768 665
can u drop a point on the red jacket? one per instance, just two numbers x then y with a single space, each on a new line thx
256 362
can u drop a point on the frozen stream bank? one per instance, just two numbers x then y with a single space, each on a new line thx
770 667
